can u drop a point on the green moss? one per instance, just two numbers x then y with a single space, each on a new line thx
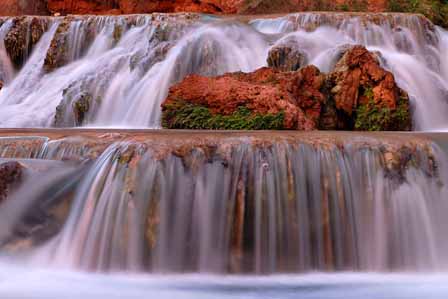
182 115
435 10
370 117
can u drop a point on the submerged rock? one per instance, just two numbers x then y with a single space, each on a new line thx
358 95
10 174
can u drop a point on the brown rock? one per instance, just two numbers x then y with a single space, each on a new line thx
57 52
286 57
23 36
10 173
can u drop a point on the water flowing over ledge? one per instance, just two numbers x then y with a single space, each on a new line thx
116 70
228 202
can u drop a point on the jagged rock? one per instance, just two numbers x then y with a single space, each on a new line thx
23 36
286 57
366 92
10 174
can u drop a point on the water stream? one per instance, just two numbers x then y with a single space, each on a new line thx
126 64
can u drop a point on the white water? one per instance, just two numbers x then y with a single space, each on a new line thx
293 207
19 282
129 78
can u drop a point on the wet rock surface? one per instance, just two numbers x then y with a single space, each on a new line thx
10 174
57 52
286 57
357 95
24 34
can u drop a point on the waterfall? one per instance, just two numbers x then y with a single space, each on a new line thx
230 203
6 68
119 68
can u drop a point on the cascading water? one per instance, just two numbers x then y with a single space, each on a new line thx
119 69
203 202
249 205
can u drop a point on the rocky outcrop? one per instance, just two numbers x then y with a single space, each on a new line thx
358 95
259 100
24 34
363 89
10 174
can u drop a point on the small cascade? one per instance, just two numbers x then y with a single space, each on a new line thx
116 70
27 147
249 203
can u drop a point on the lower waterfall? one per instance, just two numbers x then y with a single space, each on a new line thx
248 204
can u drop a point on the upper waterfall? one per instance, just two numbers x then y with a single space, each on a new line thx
116 70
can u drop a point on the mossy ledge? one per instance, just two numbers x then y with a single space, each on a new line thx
183 115
370 117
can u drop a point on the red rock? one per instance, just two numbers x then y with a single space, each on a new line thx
21 7
363 96
358 76
265 91
42 7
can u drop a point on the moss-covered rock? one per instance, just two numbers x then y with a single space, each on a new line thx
239 100
371 117
366 95
183 115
